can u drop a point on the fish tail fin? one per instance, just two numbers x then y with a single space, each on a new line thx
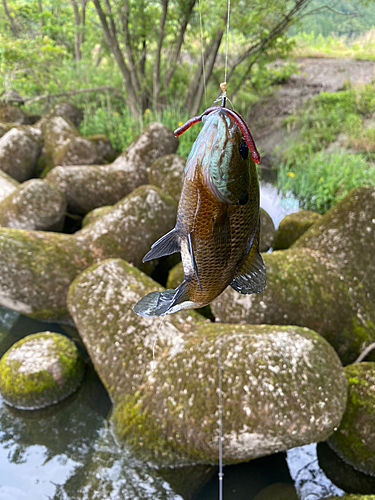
160 303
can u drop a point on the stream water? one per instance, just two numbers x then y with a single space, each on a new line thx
68 451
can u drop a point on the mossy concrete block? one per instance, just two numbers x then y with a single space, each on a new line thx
64 145
175 276
155 141
64 110
131 226
34 205
87 187
352 497
7 185
354 440
282 386
12 114
346 233
120 343
324 281
36 270
40 370
77 151
342 474
5 127
278 491
19 152
167 173
95 214
267 231
104 146
293 226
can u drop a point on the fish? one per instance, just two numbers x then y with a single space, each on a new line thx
217 229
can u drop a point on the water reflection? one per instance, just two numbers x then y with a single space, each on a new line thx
40 449
311 482
277 205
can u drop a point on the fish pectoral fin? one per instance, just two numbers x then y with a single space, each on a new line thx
252 276
193 261
166 245
160 303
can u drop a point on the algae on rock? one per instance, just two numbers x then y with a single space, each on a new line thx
34 205
293 226
7 185
19 152
324 281
87 187
354 440
38 268
130 227
282 386
40 370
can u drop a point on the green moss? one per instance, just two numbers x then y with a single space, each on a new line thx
95 214
26 385
142 433
354 441
292 227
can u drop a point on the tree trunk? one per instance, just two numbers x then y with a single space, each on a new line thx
12 24
193 86
77 30
41 16
156 92
113 46
209 67
180 40
128 47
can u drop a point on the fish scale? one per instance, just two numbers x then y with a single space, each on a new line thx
217 228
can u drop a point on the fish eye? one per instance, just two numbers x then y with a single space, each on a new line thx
243 149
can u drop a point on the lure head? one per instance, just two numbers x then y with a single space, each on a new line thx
222 154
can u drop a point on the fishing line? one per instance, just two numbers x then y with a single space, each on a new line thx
220 474
202 51
226 45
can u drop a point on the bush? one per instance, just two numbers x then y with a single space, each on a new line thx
323 179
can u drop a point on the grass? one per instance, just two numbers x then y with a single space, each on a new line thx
321 180
121 128
319 177
361 47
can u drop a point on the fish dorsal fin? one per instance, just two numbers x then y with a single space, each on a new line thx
251 278
166 245
193 261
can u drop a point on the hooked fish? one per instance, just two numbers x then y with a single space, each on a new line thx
218 221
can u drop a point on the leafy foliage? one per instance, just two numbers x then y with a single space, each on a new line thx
319 177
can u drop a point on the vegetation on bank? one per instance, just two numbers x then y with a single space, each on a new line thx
360 46
335 148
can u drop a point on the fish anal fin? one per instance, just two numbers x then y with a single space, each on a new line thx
251 278
181 295
166 245
193 261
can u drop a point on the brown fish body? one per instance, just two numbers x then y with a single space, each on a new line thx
202 215
217 228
